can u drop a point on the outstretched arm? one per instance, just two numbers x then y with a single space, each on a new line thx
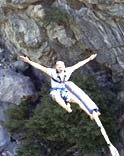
34 64
82 63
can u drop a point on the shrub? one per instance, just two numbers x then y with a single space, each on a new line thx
52 131
56 15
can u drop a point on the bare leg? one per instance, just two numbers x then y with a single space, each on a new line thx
61 102
77 101
113 150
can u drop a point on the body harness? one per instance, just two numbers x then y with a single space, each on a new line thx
63 91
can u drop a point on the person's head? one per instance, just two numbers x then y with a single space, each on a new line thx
60 66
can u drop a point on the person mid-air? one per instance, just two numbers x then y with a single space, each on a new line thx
59 75
65 92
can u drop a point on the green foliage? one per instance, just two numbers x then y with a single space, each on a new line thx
56 15
18 116
101 98
53 131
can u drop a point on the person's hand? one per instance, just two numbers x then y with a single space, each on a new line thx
25 59
93 56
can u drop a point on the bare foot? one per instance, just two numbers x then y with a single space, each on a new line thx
69 108
98 113
91 115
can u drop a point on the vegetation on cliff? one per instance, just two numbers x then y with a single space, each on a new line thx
49 129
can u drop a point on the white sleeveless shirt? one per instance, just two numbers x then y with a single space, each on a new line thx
60 77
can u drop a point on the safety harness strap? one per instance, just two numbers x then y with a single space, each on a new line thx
61 81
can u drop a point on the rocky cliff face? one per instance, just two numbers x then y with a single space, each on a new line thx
50 30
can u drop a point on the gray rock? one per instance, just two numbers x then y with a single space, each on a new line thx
3 17
14 87
101 1
19 4
116 10
2 3
58 32
4 137
36 12
24 31
20 66
103 38
3 108
23 1
5 54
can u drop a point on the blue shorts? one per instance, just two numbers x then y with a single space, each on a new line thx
63 92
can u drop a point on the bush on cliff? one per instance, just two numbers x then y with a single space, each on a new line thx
49 130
